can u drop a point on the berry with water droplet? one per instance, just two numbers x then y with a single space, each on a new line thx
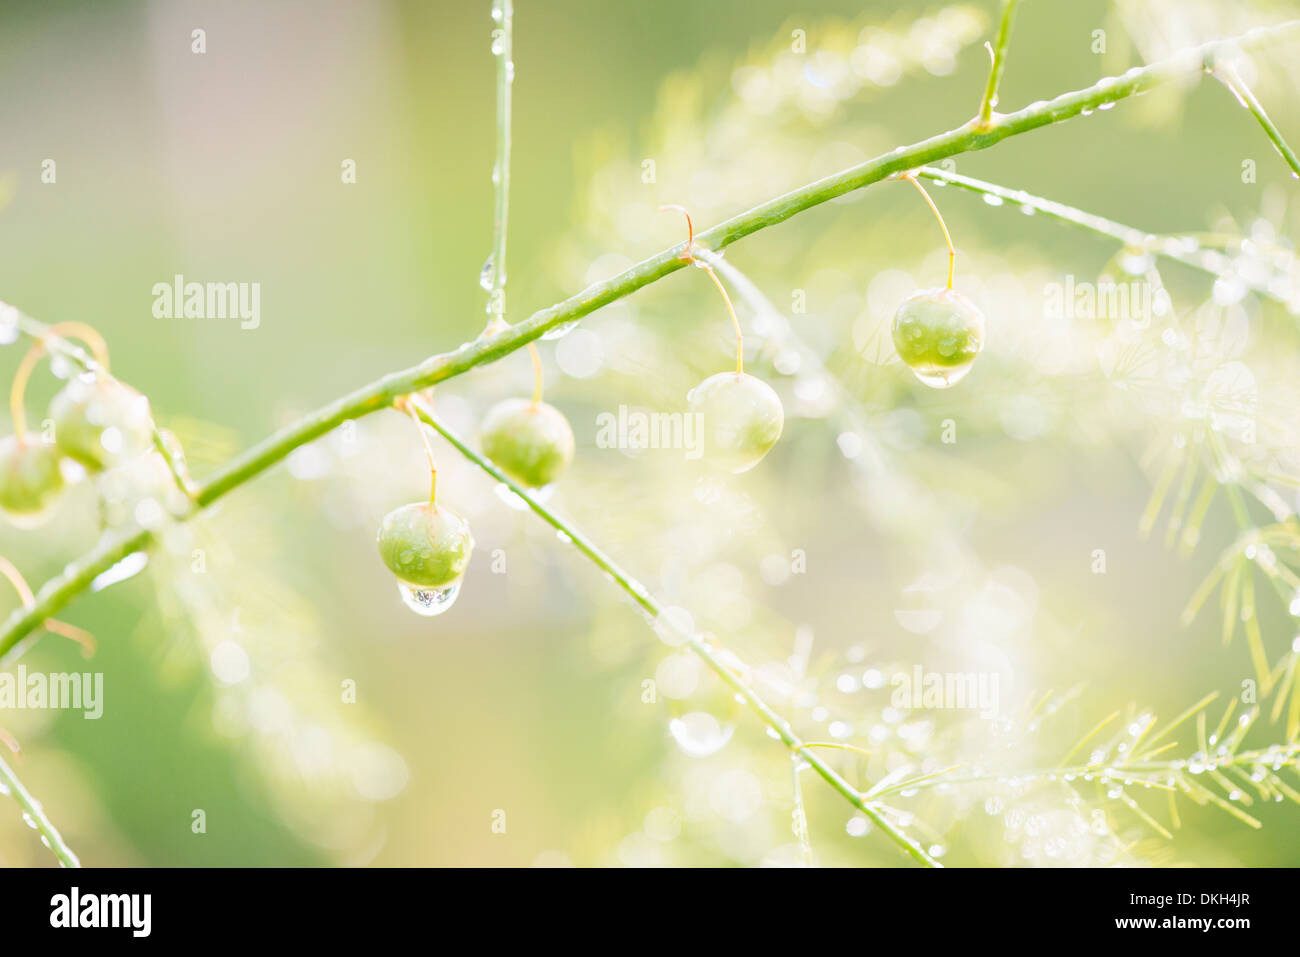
425 545
741 416
531 441
938 333
100 421
30 478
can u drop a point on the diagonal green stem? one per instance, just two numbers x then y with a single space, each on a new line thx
999 50
488 348
1230 78
35 815
710 654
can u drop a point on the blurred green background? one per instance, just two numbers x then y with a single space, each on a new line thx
527 696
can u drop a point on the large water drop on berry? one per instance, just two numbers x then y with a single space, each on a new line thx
938 333
428 602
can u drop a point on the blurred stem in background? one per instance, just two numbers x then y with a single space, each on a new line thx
503 14
35 817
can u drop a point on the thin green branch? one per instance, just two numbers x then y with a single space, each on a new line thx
1228 75
35 816
999 53
503 13
381 393
709 654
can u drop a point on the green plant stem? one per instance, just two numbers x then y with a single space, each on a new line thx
488 348
503 14
1230 78
999 50
708 653
35 815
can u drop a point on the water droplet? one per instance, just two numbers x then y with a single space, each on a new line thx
560 331
993 200
488 274
8 324
857 826
944 379
700 734
428 601
516 502
128 567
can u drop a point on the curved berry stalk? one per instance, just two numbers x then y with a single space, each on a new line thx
938 332
30 474
741 414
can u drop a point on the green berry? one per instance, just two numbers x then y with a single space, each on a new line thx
938 333
30 478
741 417
425 545
531 442
99 421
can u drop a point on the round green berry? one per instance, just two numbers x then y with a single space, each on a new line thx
425 545
741 418
938 333
30 478
99 421
530 441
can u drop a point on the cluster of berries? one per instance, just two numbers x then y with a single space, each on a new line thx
937 333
